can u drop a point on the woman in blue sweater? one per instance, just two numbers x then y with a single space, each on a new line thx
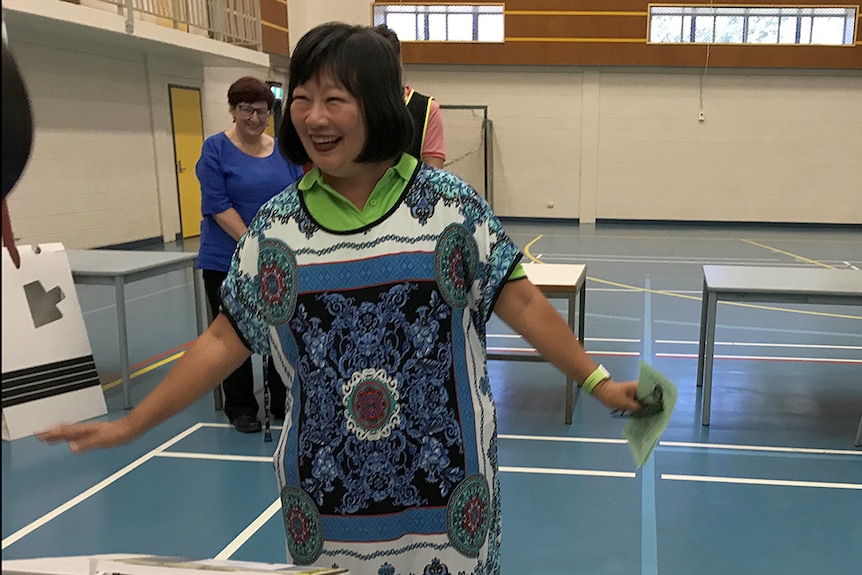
239 170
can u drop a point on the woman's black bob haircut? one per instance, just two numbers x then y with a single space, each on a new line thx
366 65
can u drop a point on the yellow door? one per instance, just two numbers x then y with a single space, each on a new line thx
188 138
270 126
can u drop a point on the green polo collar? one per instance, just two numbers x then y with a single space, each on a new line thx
337 213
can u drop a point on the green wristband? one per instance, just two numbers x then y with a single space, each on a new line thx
595 378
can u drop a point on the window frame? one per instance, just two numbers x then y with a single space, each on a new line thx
423 10
805 17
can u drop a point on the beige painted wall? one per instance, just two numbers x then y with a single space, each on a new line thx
627 144
303 15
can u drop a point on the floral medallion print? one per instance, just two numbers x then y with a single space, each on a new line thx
371 404
468 515
456 259
277 275
302 525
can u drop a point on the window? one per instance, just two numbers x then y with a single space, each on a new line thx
442 22
726 24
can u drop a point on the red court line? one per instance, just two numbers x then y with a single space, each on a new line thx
108 378
763 358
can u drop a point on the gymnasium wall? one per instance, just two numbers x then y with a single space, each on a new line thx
612 143
590 118
91 179
596 142
102 168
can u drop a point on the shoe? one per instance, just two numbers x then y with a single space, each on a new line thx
247 423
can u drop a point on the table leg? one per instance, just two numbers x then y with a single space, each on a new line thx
859 434
122 330
571 390
204 318
708 355
201 308
702 342
582 311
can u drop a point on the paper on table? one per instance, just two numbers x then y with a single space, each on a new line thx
644 432
157 565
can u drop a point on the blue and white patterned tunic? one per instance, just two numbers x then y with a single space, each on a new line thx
387 464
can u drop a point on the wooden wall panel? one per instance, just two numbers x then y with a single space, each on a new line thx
275 41
576 27
613 33
273 15
274 12
573 5
632 54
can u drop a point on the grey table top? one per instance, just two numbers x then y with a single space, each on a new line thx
123 262
783 280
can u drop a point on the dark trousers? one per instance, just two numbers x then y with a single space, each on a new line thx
238 387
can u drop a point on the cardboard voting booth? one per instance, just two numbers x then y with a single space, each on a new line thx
49 375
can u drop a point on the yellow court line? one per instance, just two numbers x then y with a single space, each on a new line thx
736 303
576 40
570 13
692 297
143 370
798 257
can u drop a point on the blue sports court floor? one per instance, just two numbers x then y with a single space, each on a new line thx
773 485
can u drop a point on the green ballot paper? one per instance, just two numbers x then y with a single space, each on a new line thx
658 395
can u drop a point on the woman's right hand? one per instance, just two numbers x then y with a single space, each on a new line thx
83 437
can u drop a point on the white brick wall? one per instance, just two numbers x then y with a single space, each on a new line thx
102 167
91 177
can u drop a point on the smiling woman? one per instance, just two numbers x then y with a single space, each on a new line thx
370 282
239 170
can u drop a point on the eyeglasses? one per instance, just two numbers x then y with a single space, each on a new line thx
249 111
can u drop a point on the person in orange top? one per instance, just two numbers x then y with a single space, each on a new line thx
428 142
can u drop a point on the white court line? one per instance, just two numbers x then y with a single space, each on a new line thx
849 265
582 472
562 439
760 448
246 534
148 295
215 456
752 481
755 344
763 357
272 427
26 530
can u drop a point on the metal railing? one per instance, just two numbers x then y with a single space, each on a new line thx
231 21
